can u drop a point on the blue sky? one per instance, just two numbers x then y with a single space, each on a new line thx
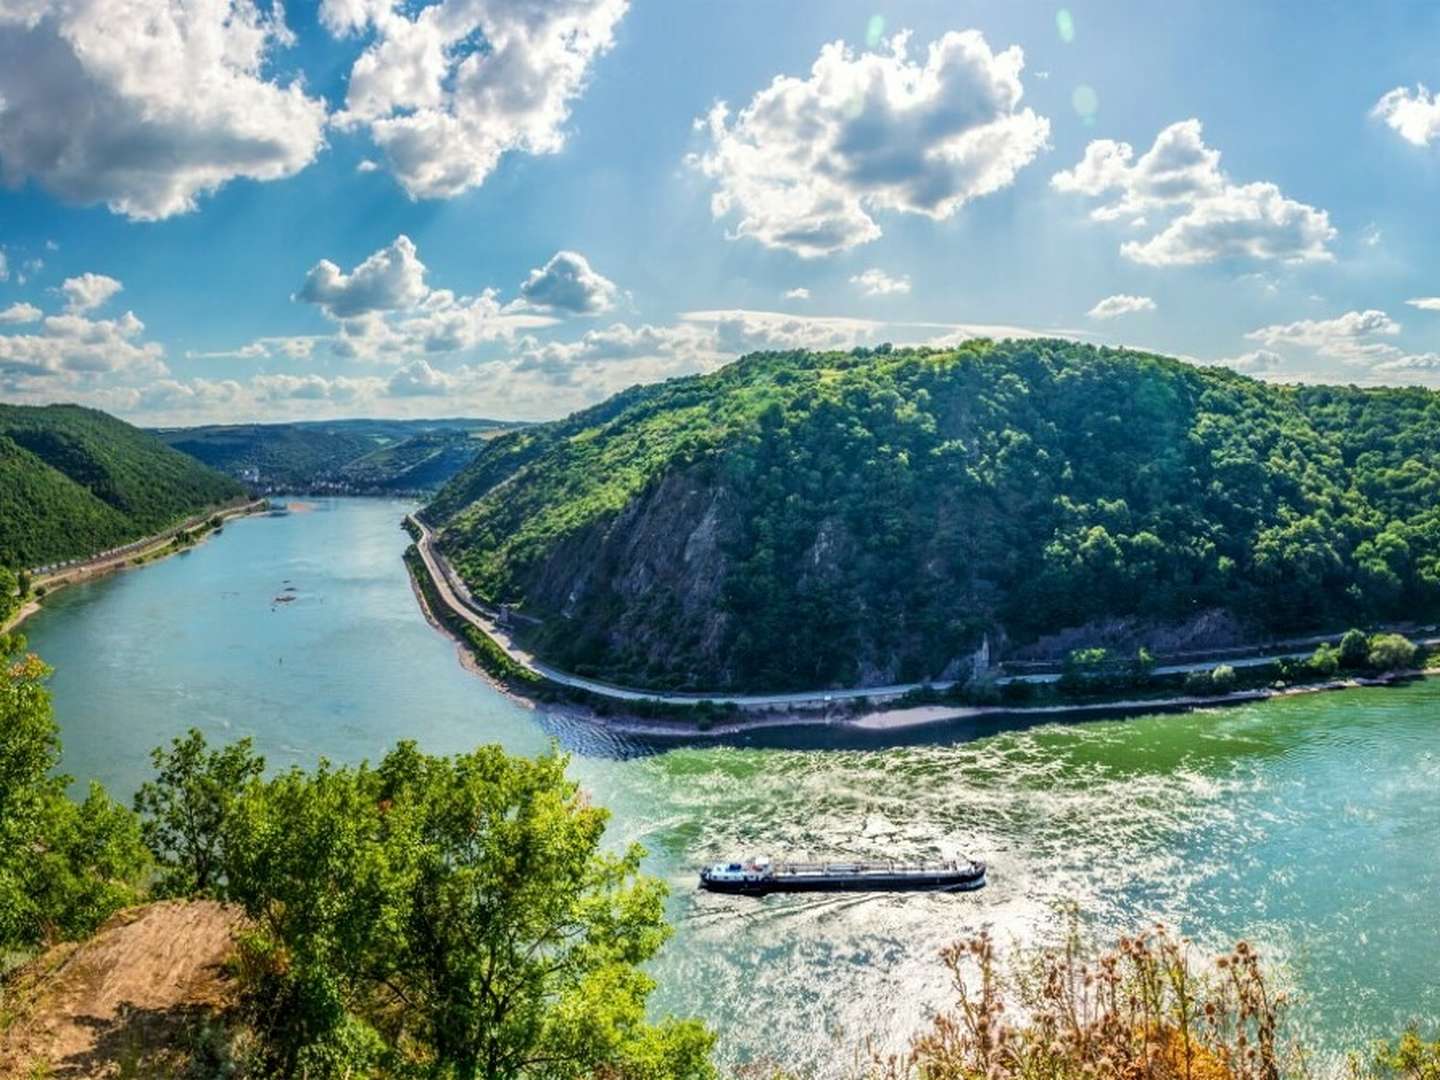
225 211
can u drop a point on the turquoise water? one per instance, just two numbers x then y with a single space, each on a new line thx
1309 826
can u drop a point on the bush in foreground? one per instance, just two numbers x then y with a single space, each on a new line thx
1145 1011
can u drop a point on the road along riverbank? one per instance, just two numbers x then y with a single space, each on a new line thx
489 649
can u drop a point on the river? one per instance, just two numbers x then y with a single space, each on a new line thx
1309 826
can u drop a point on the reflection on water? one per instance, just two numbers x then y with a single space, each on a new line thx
1307 825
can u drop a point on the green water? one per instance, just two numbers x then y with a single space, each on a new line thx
1309 826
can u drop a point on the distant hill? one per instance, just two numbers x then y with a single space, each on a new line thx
365 455
814 519
75 481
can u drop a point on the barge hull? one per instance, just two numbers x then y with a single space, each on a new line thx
859 883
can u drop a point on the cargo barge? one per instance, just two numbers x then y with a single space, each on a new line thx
760 876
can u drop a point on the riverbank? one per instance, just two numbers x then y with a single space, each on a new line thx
886 718
138 553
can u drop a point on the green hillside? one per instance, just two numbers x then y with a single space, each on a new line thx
75 481
809 519
368 456
271 453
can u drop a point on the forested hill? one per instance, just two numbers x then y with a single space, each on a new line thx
806 519
75 481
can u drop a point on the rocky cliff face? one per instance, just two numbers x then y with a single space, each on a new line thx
838 519
646 584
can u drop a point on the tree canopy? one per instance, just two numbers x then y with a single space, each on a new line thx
873 514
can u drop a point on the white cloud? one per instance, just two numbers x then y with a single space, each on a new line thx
1425 303
809 160
79 350
737 331
20 312
1414 363
1349 337
1213 218
4 266
88 291
392 278
797 293
568 283
386 311
418 379
1257 362
1412 114
1120 304
146 105
875 282
447 88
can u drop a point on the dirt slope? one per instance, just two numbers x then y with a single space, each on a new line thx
128 1000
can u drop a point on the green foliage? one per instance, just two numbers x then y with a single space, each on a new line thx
11 594
1219 680
372 455
1409 1058
75 481
886 509
278 453
1390 652
64 867
458 915
1354 649
1222 679
186 806
1325 661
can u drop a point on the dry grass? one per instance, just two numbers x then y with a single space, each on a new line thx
1144 1011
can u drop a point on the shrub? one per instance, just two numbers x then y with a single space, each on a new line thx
1390 652
1222 679
1325 661
1144 1011
1354 649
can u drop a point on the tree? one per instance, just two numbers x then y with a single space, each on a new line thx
64 868
186 805
1391 652
1222 679
1325 661
458 913
11 595
1354 649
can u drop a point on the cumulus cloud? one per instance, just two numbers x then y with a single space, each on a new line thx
1349 337
385 310
20 312
446 89
391 279
1113 307
1413 363
88 291
875 282
568 283
418 379
1257 362
807 163
1414 115
146 105
798 293
737 331
1210 216
78 350
1425 303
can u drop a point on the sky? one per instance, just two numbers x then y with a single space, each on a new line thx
228 210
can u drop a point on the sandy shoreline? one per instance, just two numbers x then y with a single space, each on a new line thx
154 548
